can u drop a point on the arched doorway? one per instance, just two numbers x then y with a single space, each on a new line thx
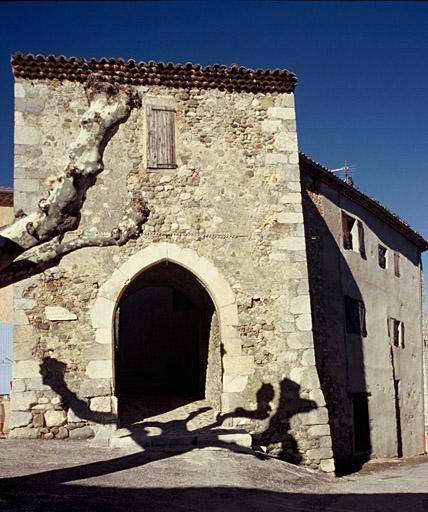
167 344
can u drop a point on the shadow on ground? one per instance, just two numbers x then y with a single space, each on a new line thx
77 498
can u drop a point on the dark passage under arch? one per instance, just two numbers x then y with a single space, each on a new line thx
167 347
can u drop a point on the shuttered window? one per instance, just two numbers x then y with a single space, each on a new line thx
397 264
361 240
160 138
355 314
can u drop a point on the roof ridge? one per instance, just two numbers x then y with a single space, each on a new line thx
215 76
355 191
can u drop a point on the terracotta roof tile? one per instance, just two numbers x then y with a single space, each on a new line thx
233 78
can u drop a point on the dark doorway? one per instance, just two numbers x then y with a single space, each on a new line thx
167 344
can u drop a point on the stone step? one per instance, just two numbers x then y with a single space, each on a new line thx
232 439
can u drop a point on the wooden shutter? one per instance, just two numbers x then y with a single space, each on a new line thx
361 241
363 327
347 244
160 138
397 264
402 335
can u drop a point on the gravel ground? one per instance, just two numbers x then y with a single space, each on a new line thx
72 476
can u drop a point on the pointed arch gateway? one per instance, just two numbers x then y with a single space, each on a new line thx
187 299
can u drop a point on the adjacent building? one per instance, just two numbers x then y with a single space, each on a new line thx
263 288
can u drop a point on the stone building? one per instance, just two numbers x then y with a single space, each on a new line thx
216 321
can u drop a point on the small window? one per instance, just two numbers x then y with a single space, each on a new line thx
396 332
353 234
381 252
348 224
355 312
361 241
160 138
397 264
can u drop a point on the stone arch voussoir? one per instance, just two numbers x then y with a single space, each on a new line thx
236 365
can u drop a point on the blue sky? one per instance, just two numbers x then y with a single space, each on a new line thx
362 68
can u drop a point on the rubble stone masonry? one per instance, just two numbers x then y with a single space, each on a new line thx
231 213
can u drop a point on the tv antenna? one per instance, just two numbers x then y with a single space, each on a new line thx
347 171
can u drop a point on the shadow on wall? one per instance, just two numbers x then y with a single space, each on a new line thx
290 403
338 315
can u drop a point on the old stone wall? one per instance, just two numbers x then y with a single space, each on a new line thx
354 365
234 200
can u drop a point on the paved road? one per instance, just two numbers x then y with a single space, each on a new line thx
72 477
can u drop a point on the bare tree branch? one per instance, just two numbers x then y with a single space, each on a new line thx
60 212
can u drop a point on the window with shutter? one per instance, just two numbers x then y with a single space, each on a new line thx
355 314
361 241
397 264
160 138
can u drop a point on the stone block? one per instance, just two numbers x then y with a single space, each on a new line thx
316 417
20 419
23 334
319 430
205 270
19 90
272 125
102 313
23 401
232 346
62 433
229 315
299 340
310 378
22 351
300 304
59 313
308 358
238 365
55 418
290 218
281 113
39 420
276 158
325 442
26 185
290 243
286 141
98 351
36 384
27 135
319 453
82 433
24 303
327 466
189 258
18 385
317 396
95 387
285 100
231 401
102 369
104 336
291 198
24 433
304 322
19 317
26 369
101 404
234 383
222 292
34 105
